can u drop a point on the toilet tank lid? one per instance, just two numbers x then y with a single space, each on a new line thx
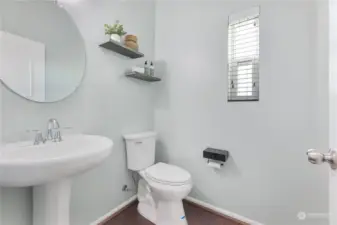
135 136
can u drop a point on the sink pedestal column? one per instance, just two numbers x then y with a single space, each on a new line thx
52 203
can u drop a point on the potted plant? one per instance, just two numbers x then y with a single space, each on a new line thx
115 31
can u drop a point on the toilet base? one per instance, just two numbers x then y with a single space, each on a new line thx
167 213
171 213
146 206
159 212
147 211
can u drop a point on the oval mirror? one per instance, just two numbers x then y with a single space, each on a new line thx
42 53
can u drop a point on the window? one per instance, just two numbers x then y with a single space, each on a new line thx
243 56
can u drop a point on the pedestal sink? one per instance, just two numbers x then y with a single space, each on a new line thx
49 168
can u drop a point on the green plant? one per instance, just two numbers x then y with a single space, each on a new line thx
117 28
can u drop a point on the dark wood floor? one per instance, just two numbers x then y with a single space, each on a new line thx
195 216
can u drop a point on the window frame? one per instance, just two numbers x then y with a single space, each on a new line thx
234 62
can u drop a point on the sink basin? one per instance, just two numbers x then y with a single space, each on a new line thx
49 168
23 164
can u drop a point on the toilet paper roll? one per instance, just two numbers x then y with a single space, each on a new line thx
215 165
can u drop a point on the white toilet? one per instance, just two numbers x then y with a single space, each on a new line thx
162 187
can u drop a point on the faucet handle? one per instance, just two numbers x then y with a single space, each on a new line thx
35 131
66 128
57 136
38 137
30 131
64 131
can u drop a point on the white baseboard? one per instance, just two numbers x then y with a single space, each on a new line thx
113 211
190 199
222 211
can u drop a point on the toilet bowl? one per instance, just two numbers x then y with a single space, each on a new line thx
162 186
160 194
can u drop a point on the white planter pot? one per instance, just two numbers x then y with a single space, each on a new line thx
116 37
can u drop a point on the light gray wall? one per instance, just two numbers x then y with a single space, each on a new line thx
268 177
107 103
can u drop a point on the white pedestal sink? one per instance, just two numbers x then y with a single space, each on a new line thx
49 168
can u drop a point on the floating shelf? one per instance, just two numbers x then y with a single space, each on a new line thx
141 76
121 49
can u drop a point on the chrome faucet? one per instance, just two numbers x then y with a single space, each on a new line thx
53 131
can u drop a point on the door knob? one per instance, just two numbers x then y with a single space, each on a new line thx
316 157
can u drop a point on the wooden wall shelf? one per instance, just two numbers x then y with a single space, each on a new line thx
143 77
121 49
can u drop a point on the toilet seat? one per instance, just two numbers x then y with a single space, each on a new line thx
166 174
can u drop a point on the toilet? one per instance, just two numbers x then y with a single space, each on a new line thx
162 186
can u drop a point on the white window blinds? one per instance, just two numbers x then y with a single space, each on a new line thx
243 56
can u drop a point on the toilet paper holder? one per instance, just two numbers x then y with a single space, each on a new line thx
212 154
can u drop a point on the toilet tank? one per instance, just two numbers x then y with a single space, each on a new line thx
140 149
